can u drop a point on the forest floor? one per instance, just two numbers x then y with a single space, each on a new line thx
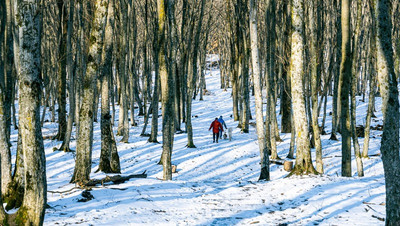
216 183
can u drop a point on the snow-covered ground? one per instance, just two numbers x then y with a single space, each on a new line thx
216 184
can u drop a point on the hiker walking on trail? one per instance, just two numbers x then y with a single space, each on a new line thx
220 120
216 127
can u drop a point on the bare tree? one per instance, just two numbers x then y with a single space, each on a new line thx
71 79
5 152
85 140
344 83
109 159
264 175
28 21
390 109
167 85
303 163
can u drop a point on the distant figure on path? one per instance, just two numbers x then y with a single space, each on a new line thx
216 126
220 120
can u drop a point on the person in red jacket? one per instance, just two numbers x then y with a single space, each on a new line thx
216 126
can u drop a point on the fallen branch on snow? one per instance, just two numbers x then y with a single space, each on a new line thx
371 203
61 192
379 218
339 156
118 179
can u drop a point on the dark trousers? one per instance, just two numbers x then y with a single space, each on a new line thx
220 134
215 136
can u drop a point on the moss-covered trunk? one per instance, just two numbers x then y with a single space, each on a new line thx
85 140
167 83
28 19
109 159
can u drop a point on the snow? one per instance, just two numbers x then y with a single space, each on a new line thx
216 184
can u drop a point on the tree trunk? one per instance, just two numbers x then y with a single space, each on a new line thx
390 110
132 68
303 163
28 21
286 105
192 77
315 76
109 159
154 103
353 92
9 82
123 123
264 175
344 83
245 80
371 96
336 88
3 215
177 97
15 191
167 84
292 141
235 88
356 145
83 160
71 77
62 75
271 113
4 147
190 89
5 153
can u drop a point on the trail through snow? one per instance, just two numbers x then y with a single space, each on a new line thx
216 184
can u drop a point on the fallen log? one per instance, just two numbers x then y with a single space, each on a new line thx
117 179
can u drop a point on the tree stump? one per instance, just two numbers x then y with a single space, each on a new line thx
173 168
288 166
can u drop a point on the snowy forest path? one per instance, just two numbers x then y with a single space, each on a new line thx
215 183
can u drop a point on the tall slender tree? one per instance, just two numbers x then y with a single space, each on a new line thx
315 78
253 19
167 85
303 163
5 152
156 85
71 79
62 73
83 162
344 83
109 159
123 123
192 76
390 109
286 105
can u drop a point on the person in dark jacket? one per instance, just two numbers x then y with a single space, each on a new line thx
220 120
216 127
